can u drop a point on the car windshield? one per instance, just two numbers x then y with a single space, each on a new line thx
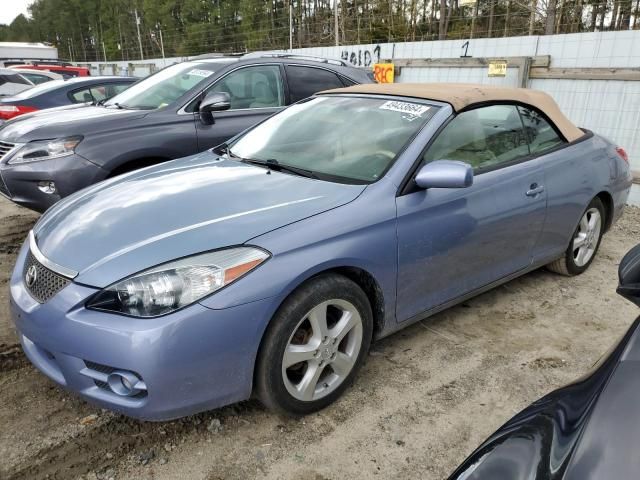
353 139
162 88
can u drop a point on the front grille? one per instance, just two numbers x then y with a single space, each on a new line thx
46 283
6 147
3 188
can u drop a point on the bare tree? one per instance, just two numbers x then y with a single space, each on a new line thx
442 32
506 19
532 17
492 5
550 21
475 16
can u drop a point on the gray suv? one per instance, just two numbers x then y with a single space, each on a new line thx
45 156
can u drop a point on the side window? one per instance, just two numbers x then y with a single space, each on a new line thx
81 96
305 81
252 87
65 73
99 92
484 138
35 78
540 134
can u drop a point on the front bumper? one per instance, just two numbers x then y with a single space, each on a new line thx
193 360
70 174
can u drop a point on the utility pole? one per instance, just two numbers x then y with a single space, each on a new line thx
104 52
121 44
161 42
290 26
335 17
474 17
139 38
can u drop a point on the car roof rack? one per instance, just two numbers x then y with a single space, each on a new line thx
205 56
297 56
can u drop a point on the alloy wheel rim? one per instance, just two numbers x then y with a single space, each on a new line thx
322 350
587 236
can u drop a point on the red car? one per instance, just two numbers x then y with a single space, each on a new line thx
67 71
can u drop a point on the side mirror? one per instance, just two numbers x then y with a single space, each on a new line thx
445 174
213 102
629 276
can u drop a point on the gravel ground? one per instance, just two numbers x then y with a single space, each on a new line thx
426 397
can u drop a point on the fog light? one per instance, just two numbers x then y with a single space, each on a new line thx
47 187
125 384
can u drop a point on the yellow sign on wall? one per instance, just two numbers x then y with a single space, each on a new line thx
497 68
383 72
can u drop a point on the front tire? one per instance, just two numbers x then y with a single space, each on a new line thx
314 345
585 242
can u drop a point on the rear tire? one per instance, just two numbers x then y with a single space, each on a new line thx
314 345
585 242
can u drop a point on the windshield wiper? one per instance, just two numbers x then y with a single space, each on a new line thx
273 164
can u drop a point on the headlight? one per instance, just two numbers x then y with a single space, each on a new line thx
45 150
174 285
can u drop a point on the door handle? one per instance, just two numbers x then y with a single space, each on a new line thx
534 189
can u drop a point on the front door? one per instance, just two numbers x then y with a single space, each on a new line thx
454 241
256 92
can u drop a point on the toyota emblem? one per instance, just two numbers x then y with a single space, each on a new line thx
31 276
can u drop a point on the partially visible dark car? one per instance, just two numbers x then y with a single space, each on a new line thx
587 430
164 116
58 93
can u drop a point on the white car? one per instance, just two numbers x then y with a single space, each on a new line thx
37 76
12 82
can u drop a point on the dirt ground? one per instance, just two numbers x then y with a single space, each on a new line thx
426 397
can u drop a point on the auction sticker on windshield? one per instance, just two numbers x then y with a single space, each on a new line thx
405 107
200 73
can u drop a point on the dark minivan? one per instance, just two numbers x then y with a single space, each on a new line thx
47 156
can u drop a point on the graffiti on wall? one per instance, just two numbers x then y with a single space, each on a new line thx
362 57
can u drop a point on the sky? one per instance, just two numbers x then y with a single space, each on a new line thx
10 9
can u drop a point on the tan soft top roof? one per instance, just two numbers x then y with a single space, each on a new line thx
464 95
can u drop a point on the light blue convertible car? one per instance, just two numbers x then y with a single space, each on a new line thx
268 265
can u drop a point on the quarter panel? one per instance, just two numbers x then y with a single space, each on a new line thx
573 176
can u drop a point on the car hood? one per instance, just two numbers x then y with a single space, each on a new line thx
52 123
183 207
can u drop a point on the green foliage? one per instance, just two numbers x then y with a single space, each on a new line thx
87 30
